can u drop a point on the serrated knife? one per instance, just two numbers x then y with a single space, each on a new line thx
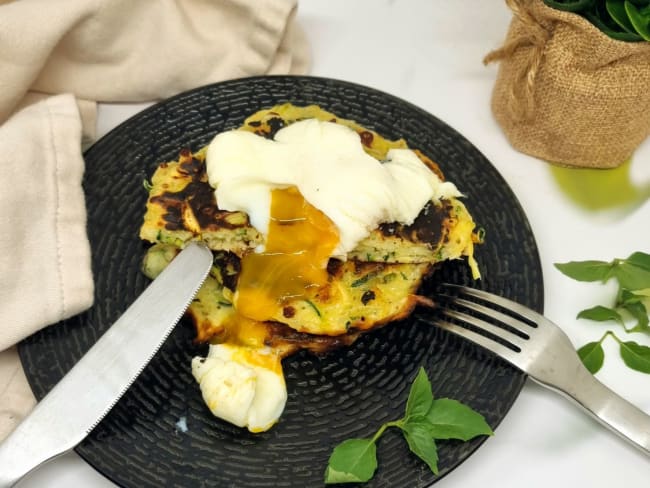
67 414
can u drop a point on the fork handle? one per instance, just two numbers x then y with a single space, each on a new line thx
606 406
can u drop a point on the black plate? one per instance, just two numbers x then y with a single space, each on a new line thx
345 394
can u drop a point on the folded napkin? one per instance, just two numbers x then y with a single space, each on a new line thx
57 59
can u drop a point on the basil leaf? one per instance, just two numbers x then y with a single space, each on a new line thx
592 356
640 259
352 461
420 396
612 31
600 314
640 19
421 443
640 313
626 297
569 6
451 419
586 270
636 356
616 10
632 274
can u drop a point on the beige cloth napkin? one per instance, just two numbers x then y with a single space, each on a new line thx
56 60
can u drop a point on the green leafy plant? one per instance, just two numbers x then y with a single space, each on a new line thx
630 307
426 420
624 20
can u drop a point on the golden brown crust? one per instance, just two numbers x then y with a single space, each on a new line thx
377 284
182 207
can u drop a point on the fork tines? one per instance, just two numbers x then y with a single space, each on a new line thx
496 323
540 348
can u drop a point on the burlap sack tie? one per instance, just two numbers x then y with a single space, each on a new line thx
520 100
566 92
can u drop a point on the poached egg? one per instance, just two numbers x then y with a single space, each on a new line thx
326 162
314 193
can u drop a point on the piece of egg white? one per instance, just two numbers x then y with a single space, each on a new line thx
238 391
327 163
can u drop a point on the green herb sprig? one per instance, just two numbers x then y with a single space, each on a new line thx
425 420
630 305
624 20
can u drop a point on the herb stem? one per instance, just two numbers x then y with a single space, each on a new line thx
608 333
355 460
611 334
394 423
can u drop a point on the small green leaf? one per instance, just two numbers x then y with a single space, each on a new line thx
640 259
640 313
636 356
420 396
616 10
569 5
352 461
631 276
626 297
609 30
592 356
640 19
586 270
451 419
418 437
600 314
645 293
634 304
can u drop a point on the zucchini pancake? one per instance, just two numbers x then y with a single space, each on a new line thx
300 262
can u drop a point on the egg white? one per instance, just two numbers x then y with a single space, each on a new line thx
327 163
244 394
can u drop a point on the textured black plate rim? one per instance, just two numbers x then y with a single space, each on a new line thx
536 301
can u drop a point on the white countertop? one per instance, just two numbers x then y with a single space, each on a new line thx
429 52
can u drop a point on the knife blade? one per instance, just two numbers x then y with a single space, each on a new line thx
67 414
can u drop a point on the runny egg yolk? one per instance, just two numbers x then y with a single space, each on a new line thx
299 243
243 383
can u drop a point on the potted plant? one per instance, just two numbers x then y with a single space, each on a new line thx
573 82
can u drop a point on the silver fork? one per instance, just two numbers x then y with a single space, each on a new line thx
538 347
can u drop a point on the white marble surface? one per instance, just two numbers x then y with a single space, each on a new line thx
430 52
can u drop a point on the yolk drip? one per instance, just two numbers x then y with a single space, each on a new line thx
300 241
242 331
253 357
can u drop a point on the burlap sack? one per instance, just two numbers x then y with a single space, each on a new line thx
566 92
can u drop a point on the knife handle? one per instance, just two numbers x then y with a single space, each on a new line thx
65 416
30 445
